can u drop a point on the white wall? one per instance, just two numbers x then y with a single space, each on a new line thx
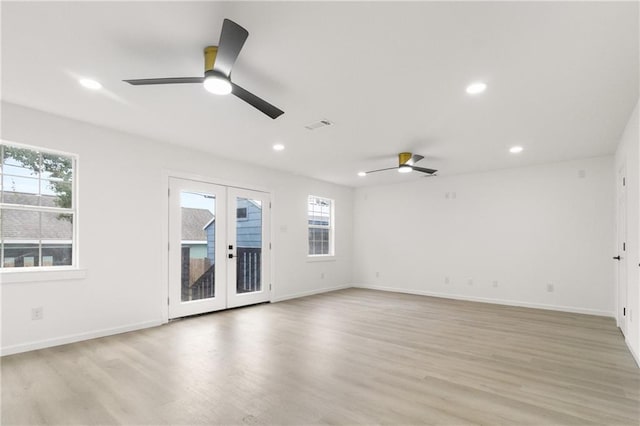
523 228
122 199
628 154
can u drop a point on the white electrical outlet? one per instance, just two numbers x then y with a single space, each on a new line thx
550 288
447 280
377 274
470 281
495 283
37 313
322 275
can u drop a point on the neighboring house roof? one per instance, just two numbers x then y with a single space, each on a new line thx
29 199
25 225
193 224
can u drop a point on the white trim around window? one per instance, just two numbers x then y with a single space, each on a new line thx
321 228
31 183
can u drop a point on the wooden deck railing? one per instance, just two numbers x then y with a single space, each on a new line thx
248 274
248 270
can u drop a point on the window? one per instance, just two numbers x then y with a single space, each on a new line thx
320 219
37 208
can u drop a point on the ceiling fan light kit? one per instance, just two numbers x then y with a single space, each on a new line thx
218 62
217 83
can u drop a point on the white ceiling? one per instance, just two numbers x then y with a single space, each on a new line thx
562 79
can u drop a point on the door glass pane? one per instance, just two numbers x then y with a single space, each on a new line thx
249 245
198 237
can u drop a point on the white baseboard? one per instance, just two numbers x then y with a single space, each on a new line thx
491 300
72 338
310 293
633 353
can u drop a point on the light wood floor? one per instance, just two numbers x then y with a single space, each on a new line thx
347 357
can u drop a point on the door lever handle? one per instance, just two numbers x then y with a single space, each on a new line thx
616 257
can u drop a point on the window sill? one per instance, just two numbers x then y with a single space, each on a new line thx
321 258
44 274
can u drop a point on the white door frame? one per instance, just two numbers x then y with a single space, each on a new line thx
164 231
621 238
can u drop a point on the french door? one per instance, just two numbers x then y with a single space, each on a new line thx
218 247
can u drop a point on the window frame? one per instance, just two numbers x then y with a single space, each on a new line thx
330 227
246 214
39 273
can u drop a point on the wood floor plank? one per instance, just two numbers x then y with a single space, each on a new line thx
353 356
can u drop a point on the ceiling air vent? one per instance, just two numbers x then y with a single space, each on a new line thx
319 124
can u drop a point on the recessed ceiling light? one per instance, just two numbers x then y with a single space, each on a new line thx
362 174
475 88
278 147
515 149
90 84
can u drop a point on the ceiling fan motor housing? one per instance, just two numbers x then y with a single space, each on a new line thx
210 53
403 158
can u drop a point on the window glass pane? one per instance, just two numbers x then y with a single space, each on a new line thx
56 254
20 225
18 255
57 227
20 162
20 190
56 193
24 231
319 211
318 241
57 167
198 241
19 230
249 246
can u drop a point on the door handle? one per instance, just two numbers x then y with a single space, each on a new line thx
231 256
616 257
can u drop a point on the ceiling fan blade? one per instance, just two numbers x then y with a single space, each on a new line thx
170 80
231 41
423 170
256 102
414 159
381 170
